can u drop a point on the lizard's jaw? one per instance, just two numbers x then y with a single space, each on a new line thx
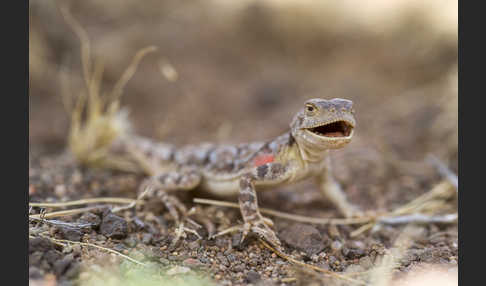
336 130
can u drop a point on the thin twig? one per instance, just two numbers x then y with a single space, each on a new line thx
109 200
65 242
419 218
84 40
337 221
129 72
62 223
63 213
444 170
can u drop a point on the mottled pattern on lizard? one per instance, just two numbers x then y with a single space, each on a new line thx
245 169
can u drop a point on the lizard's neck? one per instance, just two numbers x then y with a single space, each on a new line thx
309 152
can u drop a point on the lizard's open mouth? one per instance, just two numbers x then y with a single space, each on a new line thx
335 129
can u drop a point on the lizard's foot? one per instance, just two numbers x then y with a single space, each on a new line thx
177 210
261 226
181 232
181 216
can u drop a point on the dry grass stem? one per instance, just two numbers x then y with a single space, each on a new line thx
337 221
64 242
129 72
62 223
325 271
109 200
62 213
444 170
419 218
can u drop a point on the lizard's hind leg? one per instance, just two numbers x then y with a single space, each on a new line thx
160 186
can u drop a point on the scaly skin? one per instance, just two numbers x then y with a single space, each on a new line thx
245 169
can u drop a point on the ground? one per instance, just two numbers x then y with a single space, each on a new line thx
241 73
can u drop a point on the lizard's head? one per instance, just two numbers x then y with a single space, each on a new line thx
323 124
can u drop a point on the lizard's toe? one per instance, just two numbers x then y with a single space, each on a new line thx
263 230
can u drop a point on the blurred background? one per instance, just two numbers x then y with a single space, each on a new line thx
235 71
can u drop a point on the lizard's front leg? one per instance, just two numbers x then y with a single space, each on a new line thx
333 191
254 221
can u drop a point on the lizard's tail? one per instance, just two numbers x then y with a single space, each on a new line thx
98 125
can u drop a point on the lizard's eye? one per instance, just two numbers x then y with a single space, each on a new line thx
310 109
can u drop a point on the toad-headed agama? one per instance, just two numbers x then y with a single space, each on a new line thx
242 169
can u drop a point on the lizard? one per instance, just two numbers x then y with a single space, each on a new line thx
224 169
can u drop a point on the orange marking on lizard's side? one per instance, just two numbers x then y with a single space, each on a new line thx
263 159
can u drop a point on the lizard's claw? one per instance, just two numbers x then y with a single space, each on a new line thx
262 228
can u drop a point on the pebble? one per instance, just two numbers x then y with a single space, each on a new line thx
222 259
130 242
60 190
60 266
194 245
164 261
147 238
252 277
114 226
192 262
239 268
90 218
336 245
71 234
303 237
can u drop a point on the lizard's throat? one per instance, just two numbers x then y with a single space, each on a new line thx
314 148
310 151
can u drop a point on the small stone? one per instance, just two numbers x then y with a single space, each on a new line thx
252 277
60 190
138 223
90 218
336 245
191 262
71 234
130 242
239 268
113 226
222 259
164 261
147 238
194 245
60 266
303 237
52 256
34 273
352 253
357 244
